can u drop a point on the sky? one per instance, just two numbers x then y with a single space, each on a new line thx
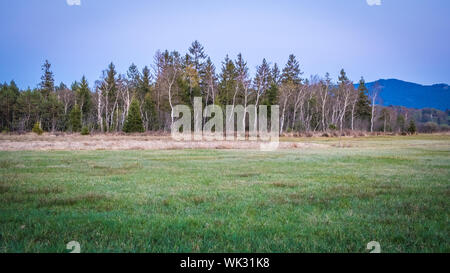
377 39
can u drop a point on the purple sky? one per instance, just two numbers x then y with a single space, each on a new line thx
404 39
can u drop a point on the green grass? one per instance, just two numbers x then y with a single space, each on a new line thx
394 190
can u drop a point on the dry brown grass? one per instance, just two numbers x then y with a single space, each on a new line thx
75 142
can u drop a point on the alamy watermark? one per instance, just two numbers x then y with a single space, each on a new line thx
209 123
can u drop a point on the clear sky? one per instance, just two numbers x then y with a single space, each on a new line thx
403 39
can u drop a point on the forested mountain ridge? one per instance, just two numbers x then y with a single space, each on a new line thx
412 95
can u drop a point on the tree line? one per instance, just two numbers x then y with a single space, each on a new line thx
143 100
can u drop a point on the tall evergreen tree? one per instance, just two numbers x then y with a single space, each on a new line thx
133 76
83 94
363 103
47 81
145 81
276 75
198 56
189 82
227 82
51 107
109 92
133 123
147 97
210 82
400 123
412 127
243 77
262 83
343 79
291 72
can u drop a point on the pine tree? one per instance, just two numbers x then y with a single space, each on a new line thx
133 123
363 103
198 56
401 123
75 118
227 82
291 72
262 83
133 76
145 81
108 91
343 79
146 93
243 77
276 77
271 96
189 82
51 107
210 81
412 127
47 81
84 97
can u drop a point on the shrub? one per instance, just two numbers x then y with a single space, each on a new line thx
37 128
332 127
85 131
430 127
445 128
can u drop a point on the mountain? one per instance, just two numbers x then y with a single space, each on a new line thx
412 95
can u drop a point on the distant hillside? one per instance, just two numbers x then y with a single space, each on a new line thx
412 95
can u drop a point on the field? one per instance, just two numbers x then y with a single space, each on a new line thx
334 196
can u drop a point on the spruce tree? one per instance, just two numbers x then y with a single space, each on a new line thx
133 123
363 103
145 81
401 123
110 83
343 79
227 82
83 94
412 127
47 81
189 82
133 76
276 77
198 56
291 72
75 118
145 92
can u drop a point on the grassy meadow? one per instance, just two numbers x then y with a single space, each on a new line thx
394 190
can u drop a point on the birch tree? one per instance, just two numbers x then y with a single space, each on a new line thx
261 84
243 84
373 95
